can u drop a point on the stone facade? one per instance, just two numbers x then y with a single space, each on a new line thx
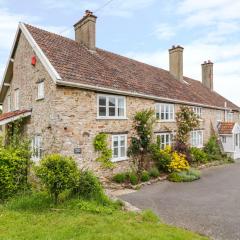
67 117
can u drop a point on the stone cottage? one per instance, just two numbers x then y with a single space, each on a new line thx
67 91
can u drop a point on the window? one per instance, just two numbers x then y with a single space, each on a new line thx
164 139
9 103
165 111
16 99
229 116
110 106
197 138
219 116
37 148
40 89
197 111
224 139
119 147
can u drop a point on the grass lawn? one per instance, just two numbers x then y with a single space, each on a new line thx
35 218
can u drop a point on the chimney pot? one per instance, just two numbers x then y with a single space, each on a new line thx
176 62
85 30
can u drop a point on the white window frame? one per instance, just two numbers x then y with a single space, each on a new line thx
224 139
219 116
197 111
168 116
16 99
9 104
40 90
116 97
119 158
164 136
196 138
37 149
229 116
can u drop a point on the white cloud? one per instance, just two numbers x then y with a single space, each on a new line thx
164 31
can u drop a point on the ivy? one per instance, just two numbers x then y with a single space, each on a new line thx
100 145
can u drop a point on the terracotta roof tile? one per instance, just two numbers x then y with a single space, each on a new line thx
75 63
226 127
7 115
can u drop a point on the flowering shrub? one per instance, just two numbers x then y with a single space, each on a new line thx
140 143
178 163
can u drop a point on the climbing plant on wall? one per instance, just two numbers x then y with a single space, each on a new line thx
100 145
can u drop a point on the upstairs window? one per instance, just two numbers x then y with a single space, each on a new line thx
197 138
197 111
40 90
164 139
119 147
36 148
110 106
9 103
16 99
229 116
165 112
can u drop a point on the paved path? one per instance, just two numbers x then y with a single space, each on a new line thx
210 206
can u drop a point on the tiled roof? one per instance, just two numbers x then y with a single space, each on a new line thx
8 115
226 127
76 64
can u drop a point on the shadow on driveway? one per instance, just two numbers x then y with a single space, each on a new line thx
210 206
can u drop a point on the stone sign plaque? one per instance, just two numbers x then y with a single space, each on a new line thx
77 151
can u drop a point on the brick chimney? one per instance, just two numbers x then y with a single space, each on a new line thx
176 62
85 30
207 74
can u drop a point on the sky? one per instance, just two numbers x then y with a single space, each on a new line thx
144 30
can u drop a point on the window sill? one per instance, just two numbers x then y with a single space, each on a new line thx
39 99
165 121
111 118
114 160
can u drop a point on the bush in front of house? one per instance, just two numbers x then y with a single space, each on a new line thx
57 173
198 156
178 163
120 177
184 176
162 158
88 187
14 165
145 176
154 172
133 178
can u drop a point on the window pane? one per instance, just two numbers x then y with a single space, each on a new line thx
115 152
122 141
120 112
112 111
102 111
102 101
115 141
123 152
112 102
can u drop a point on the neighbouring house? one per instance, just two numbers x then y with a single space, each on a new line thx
67 91
230 138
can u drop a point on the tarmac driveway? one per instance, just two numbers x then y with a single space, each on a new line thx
210 206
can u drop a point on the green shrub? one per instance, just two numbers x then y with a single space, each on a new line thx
153 172
184 176
212 147
198 155
150 216
57 173
145 176
14 164
133 178
88 187
161 158
120 178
